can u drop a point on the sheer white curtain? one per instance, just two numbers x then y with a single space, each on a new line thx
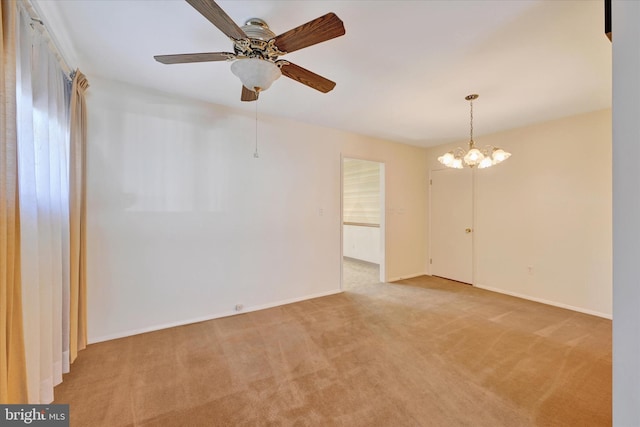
43 152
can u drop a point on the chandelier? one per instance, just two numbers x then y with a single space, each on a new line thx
484 158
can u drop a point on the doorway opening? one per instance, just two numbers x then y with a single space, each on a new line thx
363 223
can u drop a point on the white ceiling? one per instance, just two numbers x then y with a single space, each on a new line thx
402 69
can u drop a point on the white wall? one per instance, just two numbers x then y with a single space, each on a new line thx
183 222
362 243
549 208
626 212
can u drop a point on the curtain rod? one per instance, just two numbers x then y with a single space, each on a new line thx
33 14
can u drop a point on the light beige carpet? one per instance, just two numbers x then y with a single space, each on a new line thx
423 352
357 273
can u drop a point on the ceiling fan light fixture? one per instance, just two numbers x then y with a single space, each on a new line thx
256 49
256 74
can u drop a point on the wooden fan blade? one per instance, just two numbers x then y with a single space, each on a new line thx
218 17
307 77
248 95
319 30
183 58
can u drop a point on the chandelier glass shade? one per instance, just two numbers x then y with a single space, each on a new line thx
473 156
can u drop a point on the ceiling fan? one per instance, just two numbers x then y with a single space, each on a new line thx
257 49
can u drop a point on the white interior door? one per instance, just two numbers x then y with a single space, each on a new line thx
451 224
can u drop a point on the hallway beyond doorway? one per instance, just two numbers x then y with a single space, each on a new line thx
356 273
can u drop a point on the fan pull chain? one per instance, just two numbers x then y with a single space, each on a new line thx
255 154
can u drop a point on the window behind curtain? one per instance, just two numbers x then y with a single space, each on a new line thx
42 95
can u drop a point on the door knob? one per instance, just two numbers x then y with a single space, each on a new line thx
467 230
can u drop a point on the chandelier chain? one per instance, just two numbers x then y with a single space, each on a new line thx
471 123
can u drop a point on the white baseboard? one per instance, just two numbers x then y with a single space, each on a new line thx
408 276
131 332
544 301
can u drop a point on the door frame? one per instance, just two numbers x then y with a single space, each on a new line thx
383 213
473 224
